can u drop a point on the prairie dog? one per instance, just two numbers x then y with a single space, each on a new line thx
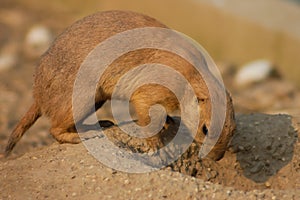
58 67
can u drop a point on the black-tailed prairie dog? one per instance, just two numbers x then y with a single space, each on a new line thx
58 67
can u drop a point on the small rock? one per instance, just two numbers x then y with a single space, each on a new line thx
106 179
253 72
37 40
268 184
228 192
110 170
114 172
241 148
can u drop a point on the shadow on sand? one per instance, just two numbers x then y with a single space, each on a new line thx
263 144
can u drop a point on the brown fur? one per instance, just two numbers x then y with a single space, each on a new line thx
57 69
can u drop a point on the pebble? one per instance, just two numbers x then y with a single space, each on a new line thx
37 40
91 167
110 170
228 192
241 148
252 72
106 179
267 184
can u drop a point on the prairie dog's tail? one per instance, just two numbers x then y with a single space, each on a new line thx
24 124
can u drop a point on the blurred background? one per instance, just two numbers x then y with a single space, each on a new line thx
255 44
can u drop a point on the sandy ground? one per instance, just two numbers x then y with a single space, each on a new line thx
263 161
260 165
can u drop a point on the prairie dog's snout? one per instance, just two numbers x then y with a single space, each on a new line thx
58 67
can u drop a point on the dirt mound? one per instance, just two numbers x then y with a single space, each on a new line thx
264 154
260 165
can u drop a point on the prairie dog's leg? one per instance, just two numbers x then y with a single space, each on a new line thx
64 131
64 136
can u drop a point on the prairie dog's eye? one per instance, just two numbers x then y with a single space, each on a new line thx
204 129
200 99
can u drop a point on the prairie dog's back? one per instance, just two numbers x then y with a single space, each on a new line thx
59 65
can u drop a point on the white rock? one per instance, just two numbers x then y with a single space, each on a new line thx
37 40
253 72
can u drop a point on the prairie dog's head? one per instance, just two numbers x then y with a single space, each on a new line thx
215 121
205 129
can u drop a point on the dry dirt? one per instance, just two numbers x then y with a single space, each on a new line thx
263 161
